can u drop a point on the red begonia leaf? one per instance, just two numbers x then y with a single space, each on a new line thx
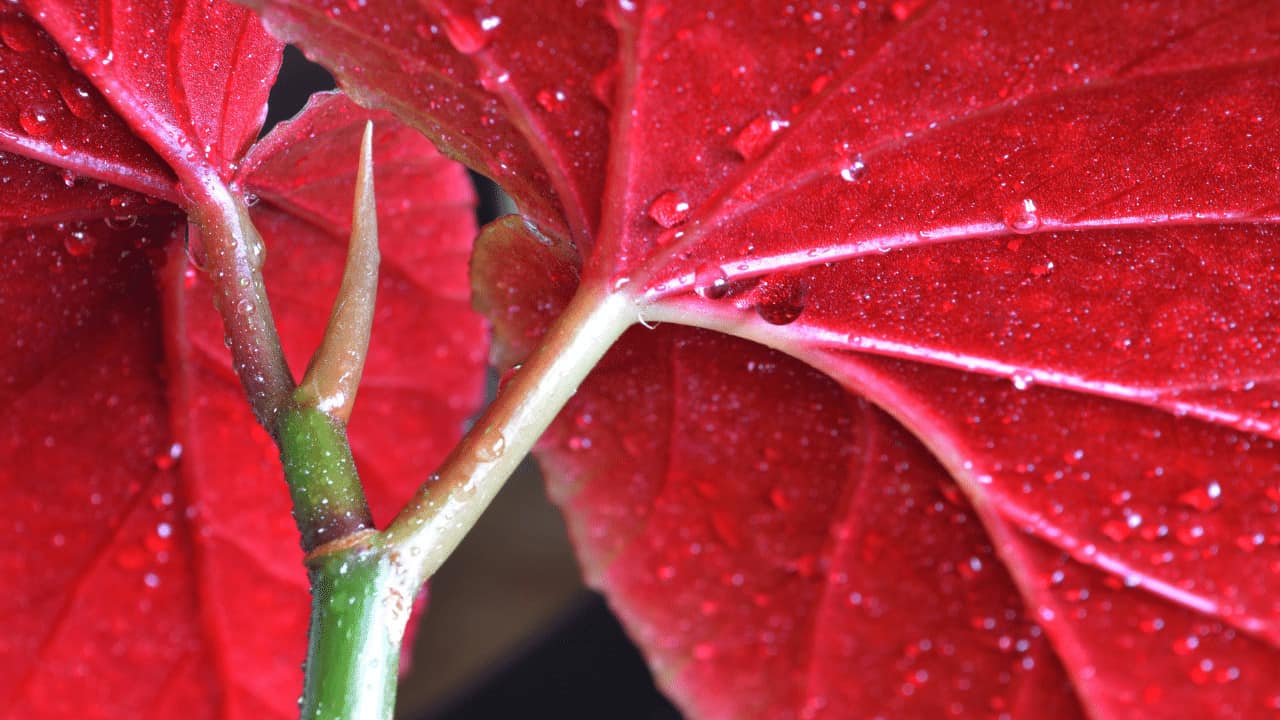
1040 237
457 85
152 565
189 79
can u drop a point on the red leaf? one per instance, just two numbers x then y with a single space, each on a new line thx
1040 237
147 526
190 79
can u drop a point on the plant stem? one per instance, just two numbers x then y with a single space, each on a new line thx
232 251
328 500
448 505
358 616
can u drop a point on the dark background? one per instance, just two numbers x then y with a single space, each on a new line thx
510 631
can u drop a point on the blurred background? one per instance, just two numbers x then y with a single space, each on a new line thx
510 629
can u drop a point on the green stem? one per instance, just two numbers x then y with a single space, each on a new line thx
358 614
328 500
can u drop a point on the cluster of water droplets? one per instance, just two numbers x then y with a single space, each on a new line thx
52 113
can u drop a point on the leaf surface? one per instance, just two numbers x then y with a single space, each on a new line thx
1040 237
148 527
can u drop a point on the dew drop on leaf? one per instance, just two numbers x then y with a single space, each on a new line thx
78 100
550 100
35 120
780 301
853 171
669 209
753 138
1022 217
18 36
79 243
1203 498
604 83
466 35
121 222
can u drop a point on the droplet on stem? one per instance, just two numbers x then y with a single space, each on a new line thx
711 282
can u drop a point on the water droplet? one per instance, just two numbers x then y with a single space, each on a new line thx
711 282
757 134
854 171
78 100
1202 498
18 36
507 376
492 444
1022 218
69 178
550 100
168 457
669 209
1117 530
79 243
465 34
35 120
780 301
121 222
605 83
257 251
250 199
1190 534
903 9
1022 380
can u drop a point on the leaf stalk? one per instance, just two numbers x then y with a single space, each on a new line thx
446 507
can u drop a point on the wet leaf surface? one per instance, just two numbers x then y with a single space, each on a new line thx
151 564
1012 453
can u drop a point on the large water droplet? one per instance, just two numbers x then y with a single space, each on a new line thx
507 376
669 209
18 36
78 99
465 34
757 134
35 119
79 243
780 301
1022 217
